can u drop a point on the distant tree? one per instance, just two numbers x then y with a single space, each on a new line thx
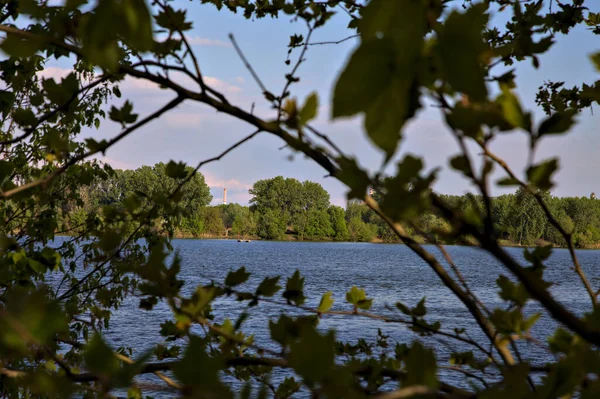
318 225
290 198
213 221
337 216
244 222
271 225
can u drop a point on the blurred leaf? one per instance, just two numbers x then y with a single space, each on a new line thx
309 110
326 302
358 298
511 107
461 46
557 123
540 175
421 367
237 277
510 291
354 177
596 58
134 393
99 358
312 357
123 115
176 170
268 287
294 289
390 94
200 372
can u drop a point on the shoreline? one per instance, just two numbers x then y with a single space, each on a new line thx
503 243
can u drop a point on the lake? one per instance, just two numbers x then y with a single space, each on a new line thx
388 272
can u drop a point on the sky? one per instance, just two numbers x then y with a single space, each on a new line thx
193 132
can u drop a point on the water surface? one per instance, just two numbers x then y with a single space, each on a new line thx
388 272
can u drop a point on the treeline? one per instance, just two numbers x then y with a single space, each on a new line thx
285 208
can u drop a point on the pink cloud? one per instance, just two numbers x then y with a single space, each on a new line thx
54 73
183 119
116 164
221 85
231 184
202 41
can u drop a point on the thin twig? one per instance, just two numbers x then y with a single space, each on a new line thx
247 64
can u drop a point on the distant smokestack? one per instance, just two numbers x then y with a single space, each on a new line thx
224 196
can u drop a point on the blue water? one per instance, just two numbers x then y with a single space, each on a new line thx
388 273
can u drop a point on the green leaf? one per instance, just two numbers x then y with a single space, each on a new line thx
511 108
540 175
353 176
312 357
403 308
123 115
539 254
421 367
173 20
237 277
309 110
529 322
134 393
294 289
326 302
354 93
381 81
62 93
386 116
358 298
382 17
176 170
138 23
19 47
510 291
420 310
24 117
461 46
596 59
268 287
99 358
461 163
200 372
508 181
561 341
557 123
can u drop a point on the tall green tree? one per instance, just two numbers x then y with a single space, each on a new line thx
337 217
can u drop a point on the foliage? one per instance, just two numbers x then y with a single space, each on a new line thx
410 54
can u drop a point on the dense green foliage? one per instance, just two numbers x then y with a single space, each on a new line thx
410 54
283 207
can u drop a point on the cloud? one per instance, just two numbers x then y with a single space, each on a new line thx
240 197
221 85
231 184
136 84
202 41
116 163
183 119
240 80
54 73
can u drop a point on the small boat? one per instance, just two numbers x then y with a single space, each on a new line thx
247 240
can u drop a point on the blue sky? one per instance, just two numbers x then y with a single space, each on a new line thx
194 132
